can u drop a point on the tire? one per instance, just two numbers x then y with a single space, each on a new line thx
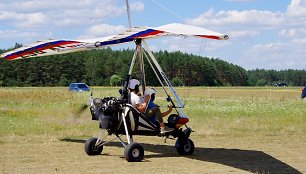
90 148
134 152
184 148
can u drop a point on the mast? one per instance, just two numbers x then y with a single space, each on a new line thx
128 13
124 92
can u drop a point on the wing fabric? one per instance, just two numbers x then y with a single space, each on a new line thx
166 30
46 48
191 31
53 47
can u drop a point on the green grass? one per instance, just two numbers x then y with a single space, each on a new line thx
212 111
241 115
264 125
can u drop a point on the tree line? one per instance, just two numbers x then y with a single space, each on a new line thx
105 67
262 77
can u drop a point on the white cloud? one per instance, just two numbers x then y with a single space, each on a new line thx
278 38
62 13
26 37
63 18
267 47
7 34
297 8
243 34
276 55
287 33
59 5
263 39
234 17
299 41
103 30
137 6
24 20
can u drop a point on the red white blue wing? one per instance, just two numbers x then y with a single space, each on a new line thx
53 47
165 30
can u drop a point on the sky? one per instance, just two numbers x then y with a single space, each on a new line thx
264 34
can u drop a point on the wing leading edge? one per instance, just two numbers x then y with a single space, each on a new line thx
53 47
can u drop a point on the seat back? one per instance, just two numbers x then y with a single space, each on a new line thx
129 98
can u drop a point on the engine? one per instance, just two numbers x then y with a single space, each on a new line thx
106 111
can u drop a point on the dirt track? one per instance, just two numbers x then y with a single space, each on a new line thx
213 154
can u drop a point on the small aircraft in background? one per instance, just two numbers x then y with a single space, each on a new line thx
116 115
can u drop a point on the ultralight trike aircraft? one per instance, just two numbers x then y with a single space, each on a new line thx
117 116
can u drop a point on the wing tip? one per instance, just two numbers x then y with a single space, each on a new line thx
226 37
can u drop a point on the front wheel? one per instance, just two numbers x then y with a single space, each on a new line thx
91 148
184 147
134 152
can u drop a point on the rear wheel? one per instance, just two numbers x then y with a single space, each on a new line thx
184 147
134 152
91 148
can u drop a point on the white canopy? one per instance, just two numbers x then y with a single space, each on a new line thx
52 47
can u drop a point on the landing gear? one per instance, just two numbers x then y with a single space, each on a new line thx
91 148
184 147
134 152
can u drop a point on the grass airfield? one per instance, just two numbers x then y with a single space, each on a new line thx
237 130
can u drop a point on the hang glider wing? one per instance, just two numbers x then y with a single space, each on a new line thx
53 47
165 30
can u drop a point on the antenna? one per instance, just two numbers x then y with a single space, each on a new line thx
128 13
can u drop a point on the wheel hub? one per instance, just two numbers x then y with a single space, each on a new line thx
187 147
135 153
95 148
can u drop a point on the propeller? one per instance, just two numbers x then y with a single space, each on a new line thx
83 107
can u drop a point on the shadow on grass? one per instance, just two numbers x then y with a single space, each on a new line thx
248 160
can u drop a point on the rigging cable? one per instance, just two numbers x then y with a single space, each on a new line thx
169 10
202 48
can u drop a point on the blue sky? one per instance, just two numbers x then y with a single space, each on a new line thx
268 34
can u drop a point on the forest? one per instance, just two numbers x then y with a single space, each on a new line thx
107 67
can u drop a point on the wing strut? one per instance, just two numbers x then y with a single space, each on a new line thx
141 64
159 73
165 78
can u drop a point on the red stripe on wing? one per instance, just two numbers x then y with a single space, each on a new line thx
209 37
38 49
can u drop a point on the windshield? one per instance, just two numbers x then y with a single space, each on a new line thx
82 86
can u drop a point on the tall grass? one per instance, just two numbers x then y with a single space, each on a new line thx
241 110
26 111
212 111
